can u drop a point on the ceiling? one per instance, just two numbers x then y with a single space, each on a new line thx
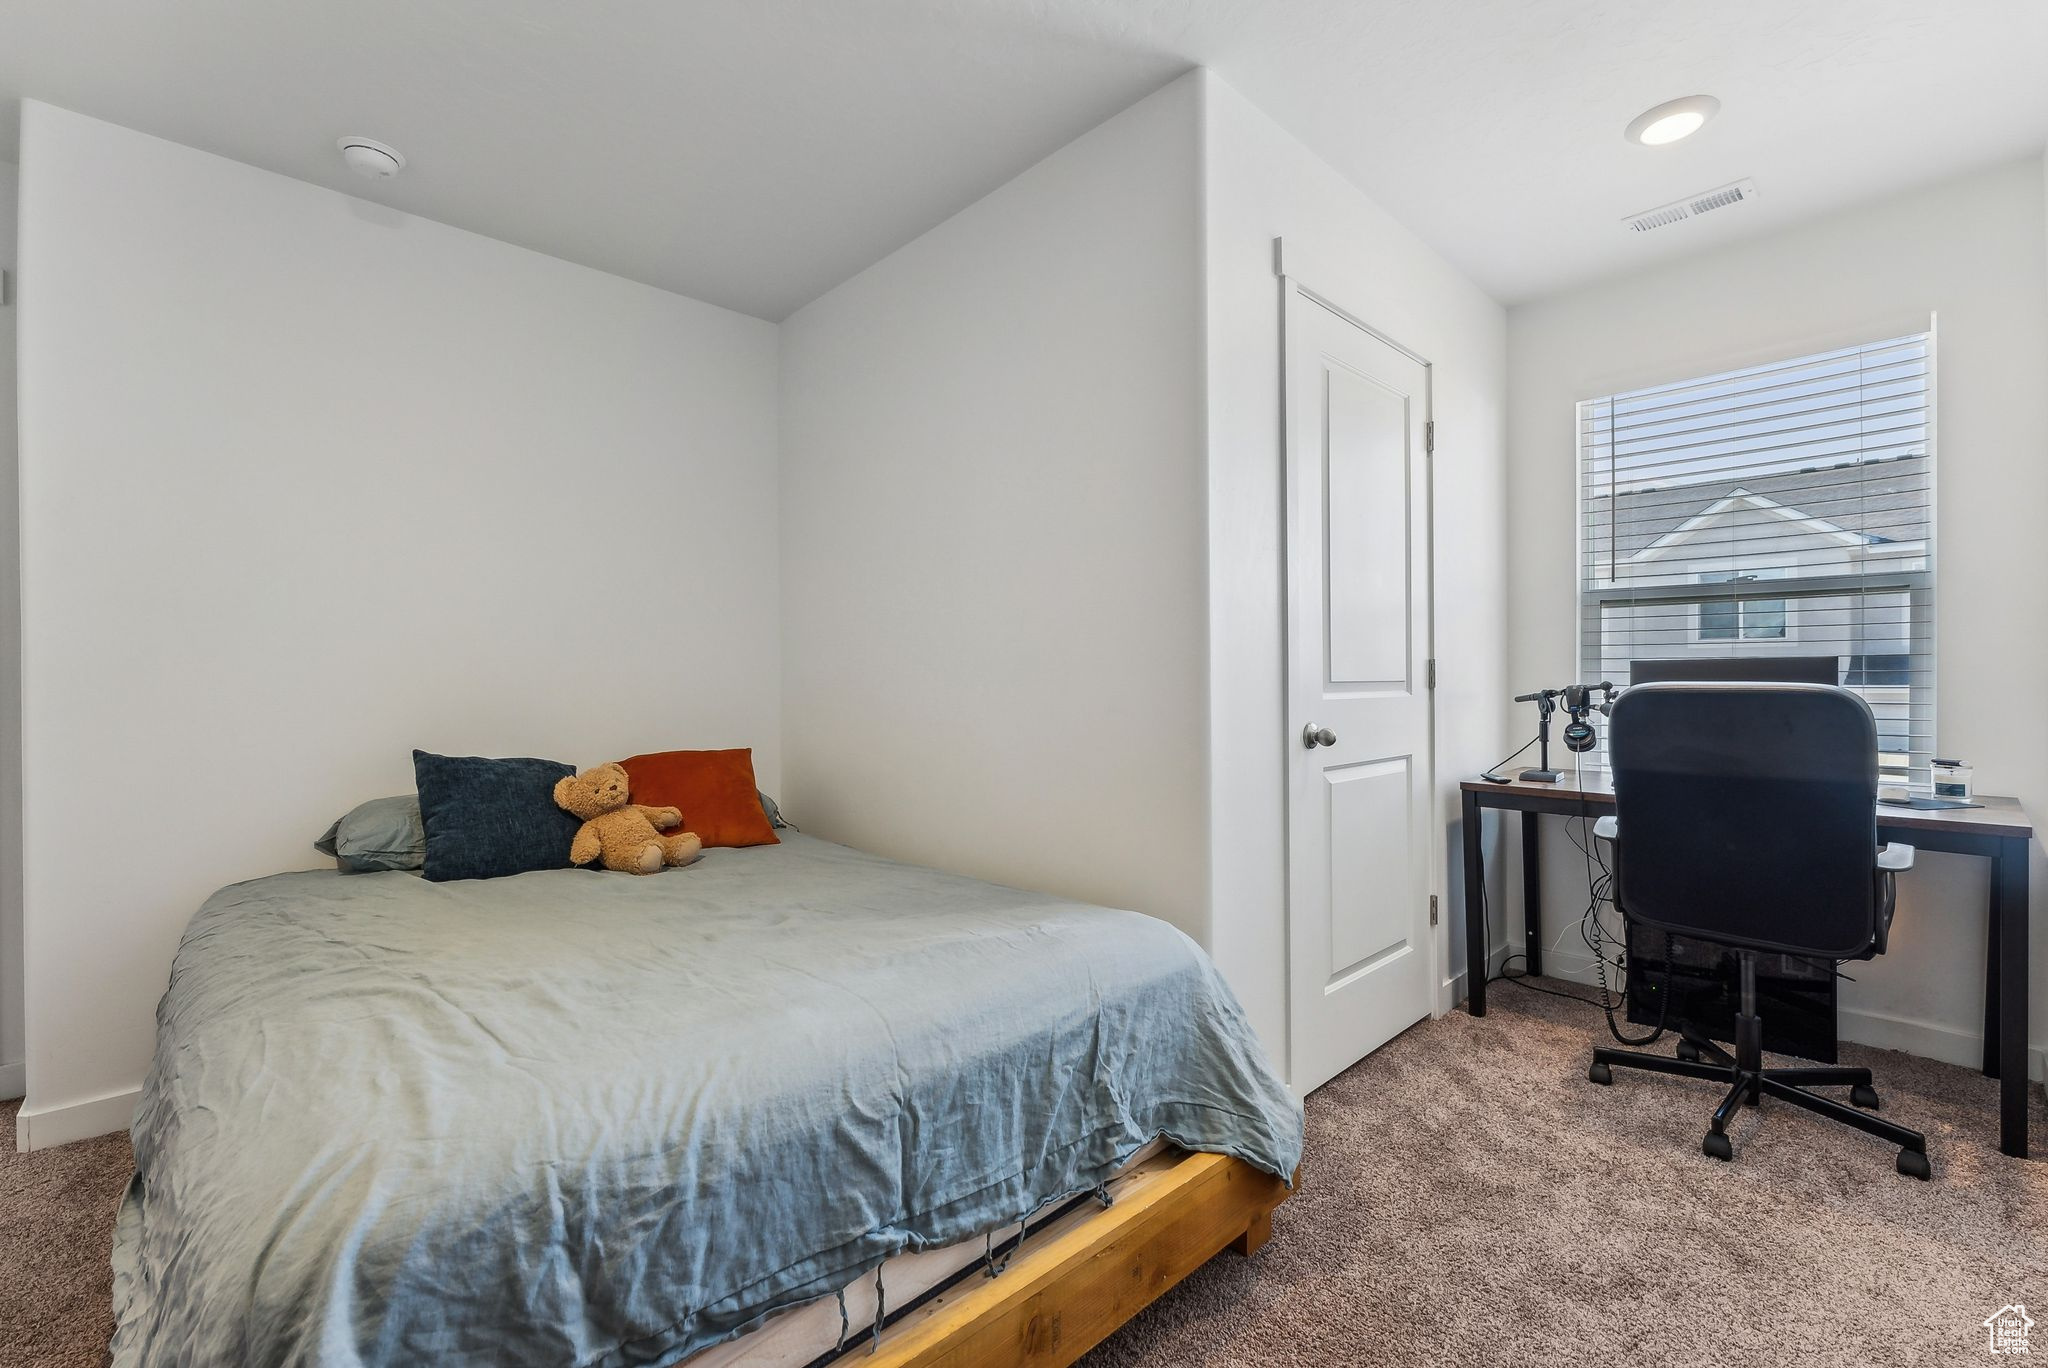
754 153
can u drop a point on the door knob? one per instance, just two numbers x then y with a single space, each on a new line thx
1313 736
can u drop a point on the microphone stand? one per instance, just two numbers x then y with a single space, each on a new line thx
1546 705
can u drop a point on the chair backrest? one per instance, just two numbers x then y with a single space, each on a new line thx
1747 814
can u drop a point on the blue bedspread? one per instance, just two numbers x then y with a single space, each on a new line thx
583 1118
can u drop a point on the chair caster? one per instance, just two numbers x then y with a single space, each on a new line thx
1716 1146
1600 1074
1688 1051
1864 1096
1913 1164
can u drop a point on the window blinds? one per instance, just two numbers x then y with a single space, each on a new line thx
1780 510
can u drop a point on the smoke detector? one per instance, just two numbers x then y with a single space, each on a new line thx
1692 206
371 159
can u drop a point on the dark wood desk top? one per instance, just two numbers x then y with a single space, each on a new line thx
2000 817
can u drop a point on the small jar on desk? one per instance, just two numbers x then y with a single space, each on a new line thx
1952 779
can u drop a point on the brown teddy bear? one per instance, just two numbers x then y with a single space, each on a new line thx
627 837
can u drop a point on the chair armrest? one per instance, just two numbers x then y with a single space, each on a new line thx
1895 858
1609 828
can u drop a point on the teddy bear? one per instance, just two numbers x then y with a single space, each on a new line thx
627 837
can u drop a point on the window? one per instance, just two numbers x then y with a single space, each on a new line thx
1785 509
1740 619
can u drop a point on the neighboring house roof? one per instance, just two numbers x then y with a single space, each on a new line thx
1862 504
1741 500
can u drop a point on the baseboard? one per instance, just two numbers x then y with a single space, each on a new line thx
44 1127
1452 991
13 1080
1923 1039
1927 1039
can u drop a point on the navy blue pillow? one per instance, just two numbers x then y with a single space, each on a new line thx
488 818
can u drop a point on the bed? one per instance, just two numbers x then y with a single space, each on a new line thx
593 1119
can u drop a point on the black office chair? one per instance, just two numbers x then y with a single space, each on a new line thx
1745 814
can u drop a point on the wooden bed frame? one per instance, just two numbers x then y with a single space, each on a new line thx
1091 1270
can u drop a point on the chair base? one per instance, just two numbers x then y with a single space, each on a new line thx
1749 1082
1748 1087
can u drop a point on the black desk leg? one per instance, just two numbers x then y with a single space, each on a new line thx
1475 910
2009 879
1991 978
1532 896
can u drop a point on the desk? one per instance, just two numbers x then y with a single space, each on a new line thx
1998 831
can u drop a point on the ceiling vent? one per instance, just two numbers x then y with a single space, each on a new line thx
1692 206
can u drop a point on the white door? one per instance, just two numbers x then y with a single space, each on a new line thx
1360 950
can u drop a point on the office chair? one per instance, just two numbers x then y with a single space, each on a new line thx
1745 814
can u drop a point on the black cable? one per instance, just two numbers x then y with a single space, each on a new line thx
1591 930
1597 891
1519 980
1522 981
1510 755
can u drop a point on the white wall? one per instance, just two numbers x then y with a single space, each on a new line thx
1032 583
1262 184
306 483
12 1050
992 513
1971 252
1030 575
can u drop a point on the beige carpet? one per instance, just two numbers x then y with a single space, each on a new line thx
1468 1198
56 1231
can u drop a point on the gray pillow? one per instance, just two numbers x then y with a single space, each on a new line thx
773 813
384 833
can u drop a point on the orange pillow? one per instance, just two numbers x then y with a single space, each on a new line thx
714 790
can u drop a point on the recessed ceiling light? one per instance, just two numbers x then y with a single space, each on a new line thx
1672 120
369 158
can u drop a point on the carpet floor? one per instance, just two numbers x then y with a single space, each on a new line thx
56 1234
1467 1198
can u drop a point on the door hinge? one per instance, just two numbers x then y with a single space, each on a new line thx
1429 437
1432 909
1431 676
